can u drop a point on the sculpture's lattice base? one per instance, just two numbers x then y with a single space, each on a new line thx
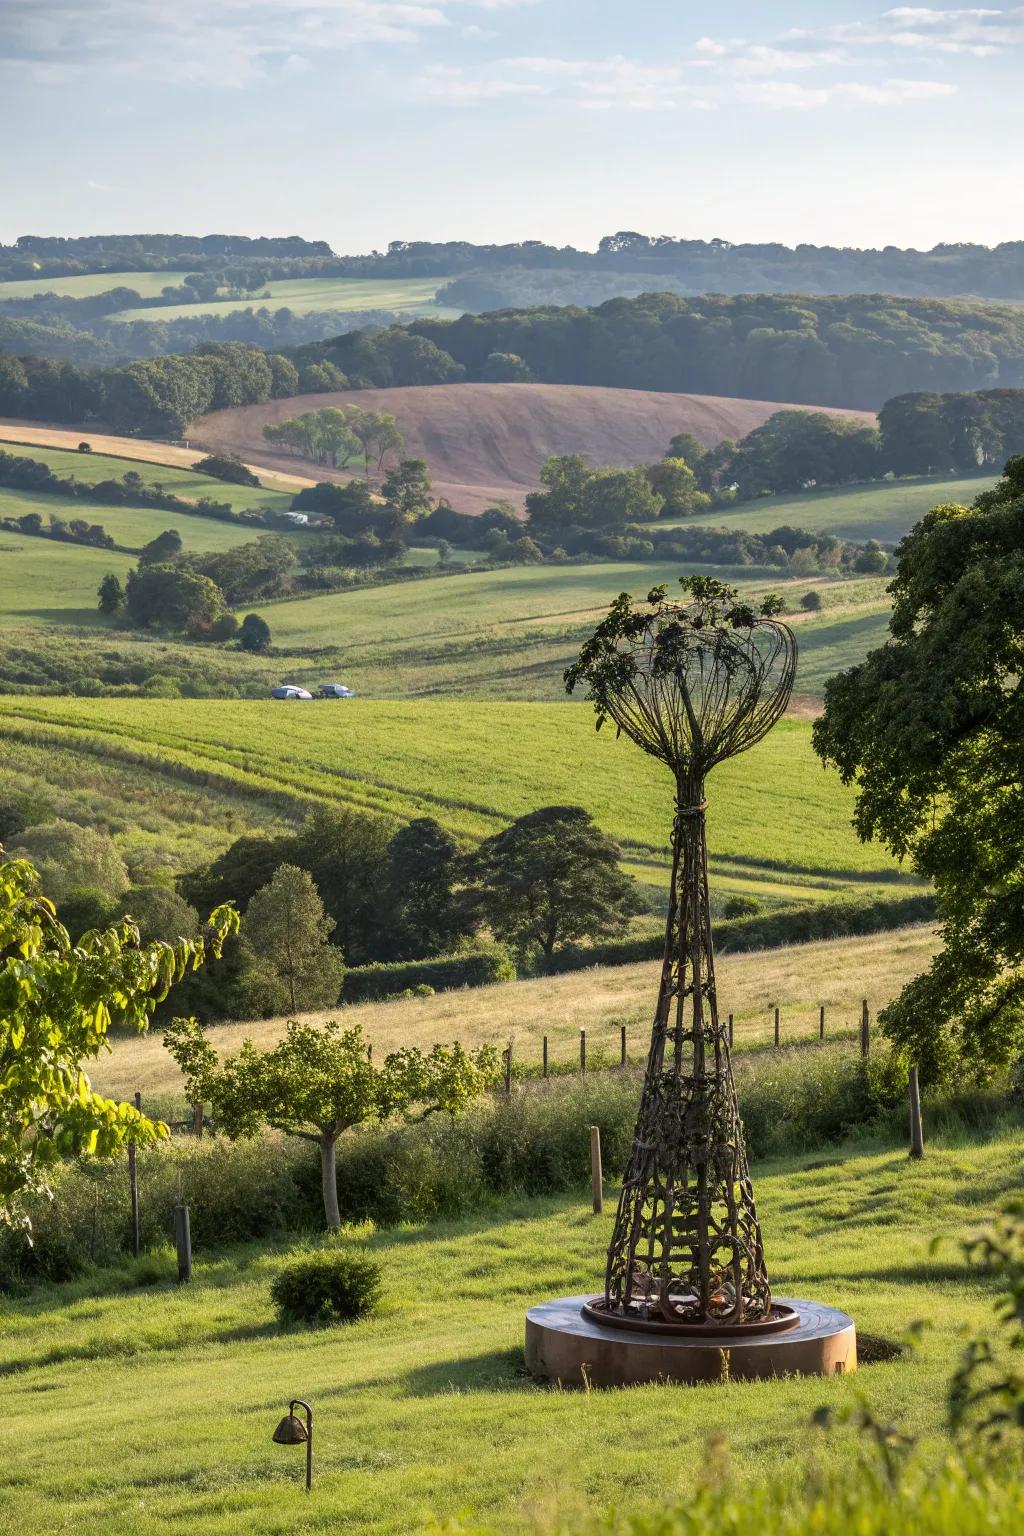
566 1344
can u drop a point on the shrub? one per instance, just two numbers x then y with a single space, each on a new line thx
226 467
331 1286
741 906
811 601
477 967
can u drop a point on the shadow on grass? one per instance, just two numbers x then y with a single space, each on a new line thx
493 1371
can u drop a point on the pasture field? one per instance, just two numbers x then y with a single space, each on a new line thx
305 295
885 511
799 978
24 437
778 824
47 582
157 1403
132 527
147 285
179 481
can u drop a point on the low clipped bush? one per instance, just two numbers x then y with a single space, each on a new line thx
331 1286
477 967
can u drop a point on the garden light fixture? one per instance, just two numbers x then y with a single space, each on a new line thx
292 1431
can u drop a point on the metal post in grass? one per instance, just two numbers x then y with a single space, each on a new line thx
821 1022
133 1185
596 1175
622 1046
183 1243
583 1052
545 1056
865 1029
916 1124
776 1024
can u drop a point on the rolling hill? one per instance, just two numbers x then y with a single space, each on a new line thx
486 442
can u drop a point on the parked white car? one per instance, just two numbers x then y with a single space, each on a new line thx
335 691
290 691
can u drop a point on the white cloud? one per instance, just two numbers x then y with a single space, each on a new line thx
980 31
228 43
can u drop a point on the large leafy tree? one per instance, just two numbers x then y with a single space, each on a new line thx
57 1003
426 914
288 931
930 728
316 1083
550 878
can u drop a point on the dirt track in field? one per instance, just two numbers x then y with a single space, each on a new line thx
141 448
486 442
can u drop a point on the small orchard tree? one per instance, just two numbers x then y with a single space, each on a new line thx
550 878
288 931
57 1003
318 1082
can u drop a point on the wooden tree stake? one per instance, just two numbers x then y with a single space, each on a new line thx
133 1185
865 1029
545 1055
183 1243
916 1125
776 1024
583 1052
508 1069
730 1031
622 1046
821 1022
596 1176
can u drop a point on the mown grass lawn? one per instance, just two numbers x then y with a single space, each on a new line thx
148 1409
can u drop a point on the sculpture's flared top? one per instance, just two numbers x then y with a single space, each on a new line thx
693 682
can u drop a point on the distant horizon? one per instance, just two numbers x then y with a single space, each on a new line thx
10 241
848 123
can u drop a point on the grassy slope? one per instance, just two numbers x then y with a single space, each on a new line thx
421 1411
777 821
93 467
884 512
45 582
86 286
798 979
412 295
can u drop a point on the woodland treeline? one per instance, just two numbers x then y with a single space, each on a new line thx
718 266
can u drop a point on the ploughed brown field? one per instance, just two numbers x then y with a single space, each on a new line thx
486 442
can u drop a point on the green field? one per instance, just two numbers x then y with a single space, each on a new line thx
47 582
408 296
147 285
156 1404
779 824
885 511
90 468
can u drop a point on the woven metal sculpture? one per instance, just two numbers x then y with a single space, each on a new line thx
692 683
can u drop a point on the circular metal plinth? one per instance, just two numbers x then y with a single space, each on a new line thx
778 1320
564 1344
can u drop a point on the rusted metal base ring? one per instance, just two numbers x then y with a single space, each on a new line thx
779 1319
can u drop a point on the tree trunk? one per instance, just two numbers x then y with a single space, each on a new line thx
329 1178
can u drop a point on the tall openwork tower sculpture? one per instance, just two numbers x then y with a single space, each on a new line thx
693 683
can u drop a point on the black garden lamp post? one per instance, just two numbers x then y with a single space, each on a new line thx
292 1431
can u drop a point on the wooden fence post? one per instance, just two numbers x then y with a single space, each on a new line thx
183 1243
916 1126
133 1185
545 1055
776 1024
865 1029
197 1120
507 1053
821 1022
730 1031
596 1177
622 1046
583 1052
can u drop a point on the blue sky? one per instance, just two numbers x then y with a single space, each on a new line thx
363 121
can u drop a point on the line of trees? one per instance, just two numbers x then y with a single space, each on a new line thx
338 434
346 889
717 266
